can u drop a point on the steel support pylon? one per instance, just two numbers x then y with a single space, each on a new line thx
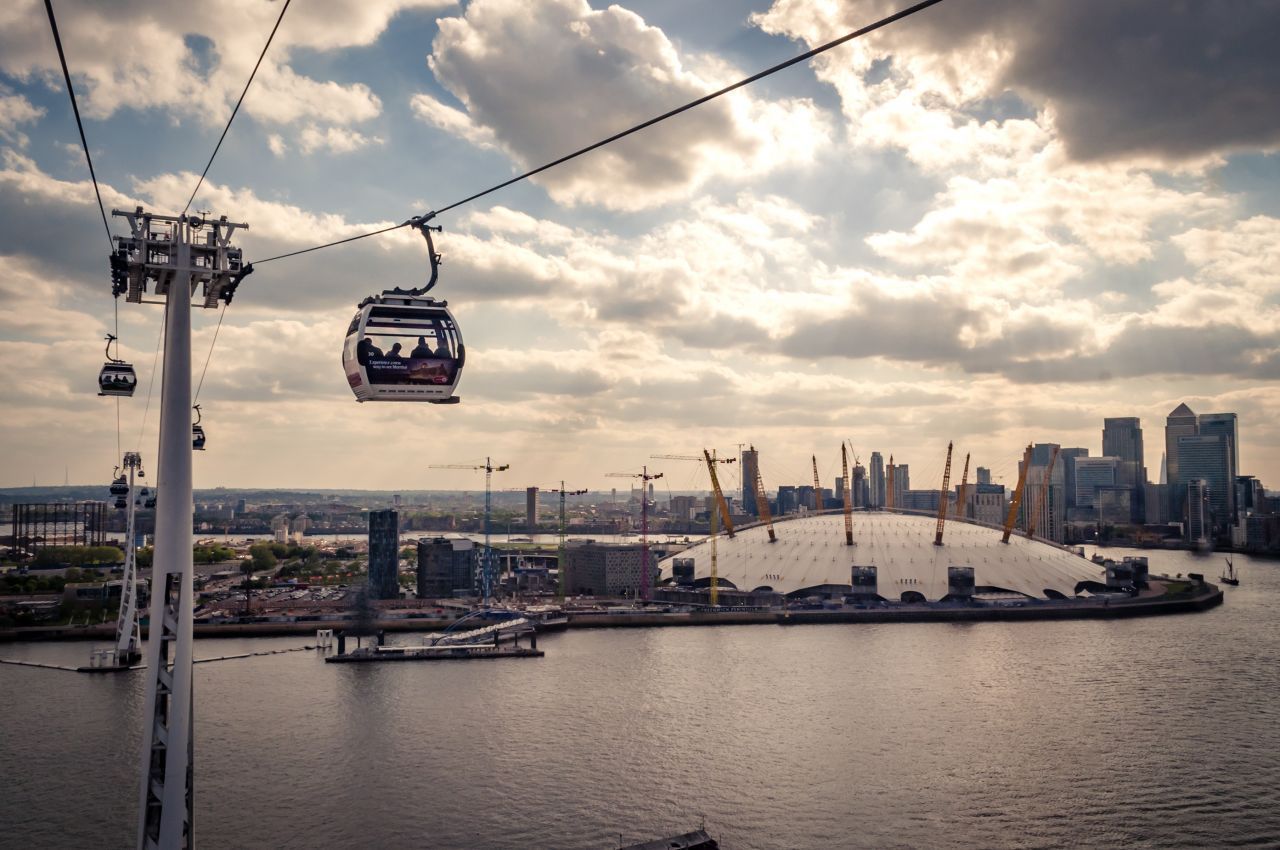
128 632
165 816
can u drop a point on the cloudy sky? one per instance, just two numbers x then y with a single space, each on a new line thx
996 222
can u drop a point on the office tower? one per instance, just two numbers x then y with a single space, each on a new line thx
1122 438
1182 422
787 500
750 461
1197 501
1090 474
984 475
384 555
859 486
1050 503
531 509
805 497
395 500
1207 458
877 494
1067 458
1224 425
446 567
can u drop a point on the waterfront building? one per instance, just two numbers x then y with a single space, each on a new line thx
805 496
1049 502
1122 439
1113 504
1197 510
921 500
598 569
860 492
447 567
1156 503
384 555
531 509
787 500
876 495
750 461
1181 422
1208 458
983 475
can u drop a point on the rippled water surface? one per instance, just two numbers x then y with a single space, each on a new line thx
1159 732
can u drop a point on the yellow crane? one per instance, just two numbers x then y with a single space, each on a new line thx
1042 495
942 500
817 487
847 494
719 508
960 496
1017 495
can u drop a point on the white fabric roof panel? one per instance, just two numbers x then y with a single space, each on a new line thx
811 551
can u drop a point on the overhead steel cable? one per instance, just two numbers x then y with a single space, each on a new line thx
254 73
883 22
84 143
209 356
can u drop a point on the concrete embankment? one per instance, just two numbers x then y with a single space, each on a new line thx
1198 598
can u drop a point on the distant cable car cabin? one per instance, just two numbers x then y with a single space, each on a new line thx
117 377
120 489
404 346
197 432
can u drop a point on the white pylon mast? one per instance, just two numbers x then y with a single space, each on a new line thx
128 633
173 255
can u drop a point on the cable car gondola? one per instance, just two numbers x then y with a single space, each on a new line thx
404 346
120 489
197 432
117 377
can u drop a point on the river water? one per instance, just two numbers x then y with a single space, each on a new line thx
1152 732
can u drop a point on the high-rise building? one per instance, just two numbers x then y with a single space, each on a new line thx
859 486
805 497
984 475
531 509
750 461
1122 438
384 555
597 569
901 482
1208 458
989 503
1090 474
1181 422
1067 458
787 499
1045 505
1224 425
1197 501
876 492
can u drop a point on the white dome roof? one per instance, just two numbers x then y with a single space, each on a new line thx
811 551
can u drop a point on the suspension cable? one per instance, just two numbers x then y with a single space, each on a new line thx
209 356
254 73
809 54
84 143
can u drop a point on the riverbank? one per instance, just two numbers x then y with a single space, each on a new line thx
1155 602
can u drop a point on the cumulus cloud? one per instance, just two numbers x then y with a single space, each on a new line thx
16 110
194 65
1144 79
597 72
333 139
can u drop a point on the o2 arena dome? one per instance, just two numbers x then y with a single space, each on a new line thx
811 557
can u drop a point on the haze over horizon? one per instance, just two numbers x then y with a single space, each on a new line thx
991 223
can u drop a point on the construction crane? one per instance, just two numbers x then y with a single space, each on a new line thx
560 558
486 571
960 495
889 493
719 507
762 502
645 477
1042 495
942 500
847 495
1017 495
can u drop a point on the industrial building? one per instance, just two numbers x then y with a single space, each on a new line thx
895 554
